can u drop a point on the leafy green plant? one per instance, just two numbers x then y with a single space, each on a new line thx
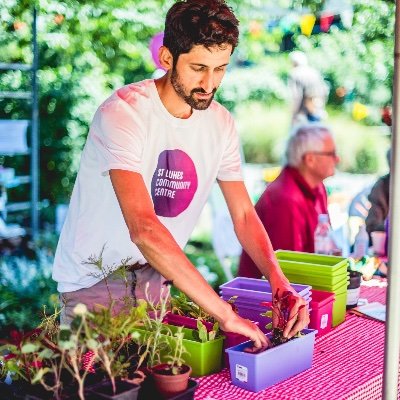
99 337
175 360
203 335
156 338
180 304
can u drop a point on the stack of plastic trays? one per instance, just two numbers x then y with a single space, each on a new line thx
250 293
322 272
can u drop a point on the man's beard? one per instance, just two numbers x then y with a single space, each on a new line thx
190 99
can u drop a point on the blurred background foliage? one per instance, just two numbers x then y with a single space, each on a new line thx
87 49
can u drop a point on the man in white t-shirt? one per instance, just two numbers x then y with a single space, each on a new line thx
154 150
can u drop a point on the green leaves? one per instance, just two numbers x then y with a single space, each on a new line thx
202 335
202 331
29 348
40 374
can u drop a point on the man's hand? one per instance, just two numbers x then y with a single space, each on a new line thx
236 324
299 316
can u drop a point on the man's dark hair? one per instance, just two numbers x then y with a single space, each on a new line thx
199 22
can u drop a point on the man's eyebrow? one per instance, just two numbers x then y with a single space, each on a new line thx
207 66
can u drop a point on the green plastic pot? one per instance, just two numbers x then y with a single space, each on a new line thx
204 358
314 263
317 279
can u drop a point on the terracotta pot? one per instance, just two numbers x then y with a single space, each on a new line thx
168 384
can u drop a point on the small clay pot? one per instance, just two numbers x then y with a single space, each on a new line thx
168 384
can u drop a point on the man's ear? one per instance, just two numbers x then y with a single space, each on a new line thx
165 57
308 159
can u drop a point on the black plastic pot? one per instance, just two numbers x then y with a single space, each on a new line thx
125 391
353 290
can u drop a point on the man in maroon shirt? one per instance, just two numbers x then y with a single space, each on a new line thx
290 205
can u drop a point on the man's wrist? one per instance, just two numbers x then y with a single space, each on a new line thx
225 312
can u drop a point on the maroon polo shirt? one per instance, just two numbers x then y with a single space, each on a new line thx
289 210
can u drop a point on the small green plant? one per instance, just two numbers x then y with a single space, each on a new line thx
106 272
156 338
203 335
180 304
175 360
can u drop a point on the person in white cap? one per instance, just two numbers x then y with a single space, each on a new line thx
308 91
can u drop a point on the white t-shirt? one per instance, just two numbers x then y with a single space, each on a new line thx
179 160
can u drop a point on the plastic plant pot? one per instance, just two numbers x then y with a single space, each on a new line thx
231 339
256 372
255 289
125 391
169 384
316 279
148 391
253 312
321 311
187 322
319 263
204 358
353 290
248 302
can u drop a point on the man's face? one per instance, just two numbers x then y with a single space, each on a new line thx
198 74
322 163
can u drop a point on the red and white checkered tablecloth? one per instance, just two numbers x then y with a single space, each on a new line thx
347 365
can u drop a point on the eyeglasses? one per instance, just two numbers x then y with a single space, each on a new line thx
325 153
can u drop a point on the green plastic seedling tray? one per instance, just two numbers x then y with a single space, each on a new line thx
318 263
204 358
340 287
317 279
339 308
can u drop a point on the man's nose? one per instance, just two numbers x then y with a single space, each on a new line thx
207 82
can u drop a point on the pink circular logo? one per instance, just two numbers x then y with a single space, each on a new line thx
174 183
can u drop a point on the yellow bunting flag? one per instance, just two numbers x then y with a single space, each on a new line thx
360 111
307 22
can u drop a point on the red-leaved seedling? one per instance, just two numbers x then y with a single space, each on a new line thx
281 307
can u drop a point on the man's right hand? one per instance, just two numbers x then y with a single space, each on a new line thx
236 324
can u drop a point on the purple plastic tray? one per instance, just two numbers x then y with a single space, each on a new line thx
256 372
252 310
256 289
246 301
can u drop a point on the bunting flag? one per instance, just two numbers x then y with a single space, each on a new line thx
326 22
360 111
307 23
255 29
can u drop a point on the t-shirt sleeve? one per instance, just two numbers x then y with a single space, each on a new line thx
230 168
118 137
